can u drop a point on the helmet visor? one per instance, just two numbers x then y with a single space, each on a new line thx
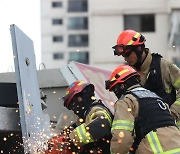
108 84
121 50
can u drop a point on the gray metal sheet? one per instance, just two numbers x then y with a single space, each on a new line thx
31 115
68 74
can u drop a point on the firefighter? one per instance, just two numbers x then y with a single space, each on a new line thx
93 135
157 74
141 117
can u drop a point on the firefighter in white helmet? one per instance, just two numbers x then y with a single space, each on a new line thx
142 122
157 74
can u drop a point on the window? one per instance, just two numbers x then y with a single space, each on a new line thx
78 40
56 4
174 32
81 57
57 21
177 61
78 23
57 38
58 55
176 40
141 23
77 6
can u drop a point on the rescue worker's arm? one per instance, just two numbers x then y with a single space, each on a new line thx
122 126
96 126
175 79
175 112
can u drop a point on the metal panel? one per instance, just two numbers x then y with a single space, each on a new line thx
68 74
78 71
31 116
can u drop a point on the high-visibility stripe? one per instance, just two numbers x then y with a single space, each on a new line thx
178 124
120 73
106 114
135 36
177 102
79 132
67 92
80 83
168 90
154 142
123 124
83 134
174 151
91 116
177 84
111 151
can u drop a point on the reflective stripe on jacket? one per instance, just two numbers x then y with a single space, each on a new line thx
81 136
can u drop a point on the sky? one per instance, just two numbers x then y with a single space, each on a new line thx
25 14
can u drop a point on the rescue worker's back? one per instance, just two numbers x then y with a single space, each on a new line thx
140 117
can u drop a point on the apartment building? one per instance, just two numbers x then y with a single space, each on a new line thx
86 30
64 32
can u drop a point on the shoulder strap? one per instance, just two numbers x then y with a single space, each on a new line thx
154 81
98 103
154 77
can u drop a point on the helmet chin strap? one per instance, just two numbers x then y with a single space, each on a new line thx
139 53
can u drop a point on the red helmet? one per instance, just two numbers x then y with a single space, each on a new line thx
126 39
120 75
73 89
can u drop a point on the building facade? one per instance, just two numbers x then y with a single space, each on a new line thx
64 32
86 30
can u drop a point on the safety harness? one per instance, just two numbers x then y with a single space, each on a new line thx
148 121
154 81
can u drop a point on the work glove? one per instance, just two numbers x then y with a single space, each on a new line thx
59 144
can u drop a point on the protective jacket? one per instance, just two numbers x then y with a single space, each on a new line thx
94 134
162 77
141 115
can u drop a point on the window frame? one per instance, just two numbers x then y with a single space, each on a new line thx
57 38
58 55
81 60
56 21
141 26
77 6
78 42
55 4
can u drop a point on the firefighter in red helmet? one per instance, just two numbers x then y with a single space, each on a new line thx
142 122
93 134
157 74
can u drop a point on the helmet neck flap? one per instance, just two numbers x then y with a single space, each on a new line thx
121 88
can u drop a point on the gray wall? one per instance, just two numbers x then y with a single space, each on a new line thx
53 84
